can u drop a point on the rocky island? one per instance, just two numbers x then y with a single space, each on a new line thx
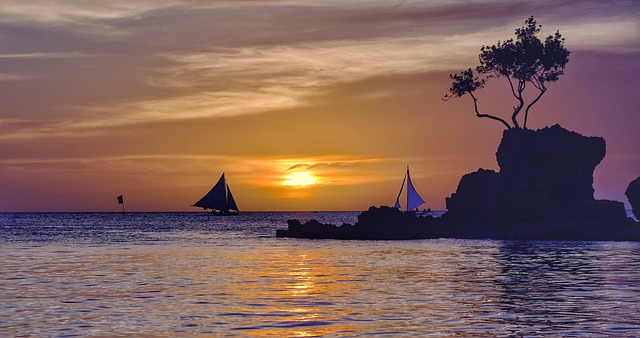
544 190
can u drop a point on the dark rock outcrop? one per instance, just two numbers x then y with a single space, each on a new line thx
544 174
544 190
633 194
375 223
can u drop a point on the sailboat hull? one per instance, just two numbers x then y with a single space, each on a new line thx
224 213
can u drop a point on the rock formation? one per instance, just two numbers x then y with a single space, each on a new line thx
633 194
544 174
376 223
544 190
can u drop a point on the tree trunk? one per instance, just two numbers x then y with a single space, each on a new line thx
478 114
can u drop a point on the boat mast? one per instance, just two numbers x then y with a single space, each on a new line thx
226 194
409 178
397 205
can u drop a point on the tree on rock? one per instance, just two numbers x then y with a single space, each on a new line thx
525 62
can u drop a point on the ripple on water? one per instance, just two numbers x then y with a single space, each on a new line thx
207 281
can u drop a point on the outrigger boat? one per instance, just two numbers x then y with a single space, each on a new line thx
413 198
219 199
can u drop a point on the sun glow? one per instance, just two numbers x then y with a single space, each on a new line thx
300 179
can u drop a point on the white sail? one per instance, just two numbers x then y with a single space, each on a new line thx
218 198
413 198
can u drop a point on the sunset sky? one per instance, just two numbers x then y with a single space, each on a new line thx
305 105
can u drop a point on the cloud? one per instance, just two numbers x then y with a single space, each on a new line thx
43 55
14 77
240 81
340 170
68 11
300 166
296 52
613 35
330 165
318 63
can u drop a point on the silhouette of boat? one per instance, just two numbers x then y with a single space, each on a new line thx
413 198
219 199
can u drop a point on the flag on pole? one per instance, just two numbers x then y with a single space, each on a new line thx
121 201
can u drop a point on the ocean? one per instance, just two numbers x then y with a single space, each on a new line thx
185 274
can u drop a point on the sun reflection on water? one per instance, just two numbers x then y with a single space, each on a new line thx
298 288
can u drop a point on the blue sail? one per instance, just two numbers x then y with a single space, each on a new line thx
218 198
413 198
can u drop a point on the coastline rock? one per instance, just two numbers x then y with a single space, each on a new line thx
543 174
544 190
633 195
384 223
473 201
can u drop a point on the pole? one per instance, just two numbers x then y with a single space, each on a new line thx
408 182
121 201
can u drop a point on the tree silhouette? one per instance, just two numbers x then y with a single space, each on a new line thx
524 61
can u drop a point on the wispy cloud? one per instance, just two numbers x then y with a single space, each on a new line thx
294 61
14 77
231 82
43 55
614 35
332 165
319 63
66 11
240 81
340 170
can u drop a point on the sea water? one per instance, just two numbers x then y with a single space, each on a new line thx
182 274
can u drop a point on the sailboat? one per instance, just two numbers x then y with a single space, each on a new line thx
413 198
219 199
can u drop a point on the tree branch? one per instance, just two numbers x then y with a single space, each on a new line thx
526 111
536 82
513 91
478 114
518 109
523 59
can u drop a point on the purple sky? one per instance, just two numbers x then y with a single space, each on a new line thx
154 99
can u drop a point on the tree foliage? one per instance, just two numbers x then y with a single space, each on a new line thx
525 62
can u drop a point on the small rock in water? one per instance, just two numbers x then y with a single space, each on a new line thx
633 194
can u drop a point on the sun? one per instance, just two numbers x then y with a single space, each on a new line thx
299 179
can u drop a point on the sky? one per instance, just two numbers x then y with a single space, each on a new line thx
304 105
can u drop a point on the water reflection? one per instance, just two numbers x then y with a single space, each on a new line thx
554 287
273 288
285 292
